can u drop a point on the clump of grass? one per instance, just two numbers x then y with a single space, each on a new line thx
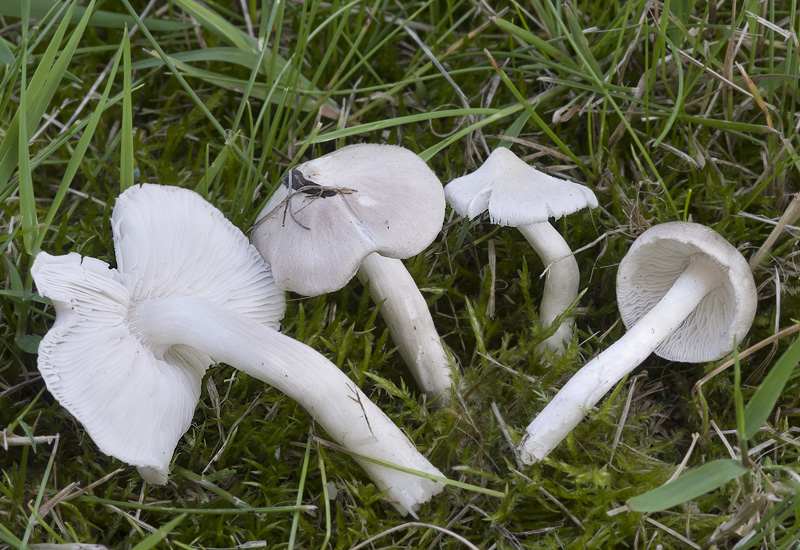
668 111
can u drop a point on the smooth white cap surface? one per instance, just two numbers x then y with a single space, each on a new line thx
136 401
377 198
653 263
515 193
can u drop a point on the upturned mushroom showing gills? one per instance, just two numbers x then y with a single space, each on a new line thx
359 210
518 195
131 344
684 293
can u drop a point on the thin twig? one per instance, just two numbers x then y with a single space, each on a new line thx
682 465
103 74
456 536
673 533
697 389
504 427
790 216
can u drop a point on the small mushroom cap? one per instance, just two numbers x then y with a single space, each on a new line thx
136 401
653 263
515 193
371 198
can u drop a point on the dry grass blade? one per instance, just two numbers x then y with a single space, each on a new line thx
396 528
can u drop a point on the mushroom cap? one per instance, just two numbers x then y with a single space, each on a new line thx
136 401
515 193
170 240
134 405
373 198
653 263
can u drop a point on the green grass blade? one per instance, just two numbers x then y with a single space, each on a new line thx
80 150
27 200
578 41
9 538
39 8
447 481
392 122
188 89
9 147
300 487
688 486
6 55
213 173
251 89
42 88
542 46
769 391
198 511
602 87
738 401
33 518
126 146
217 25
679 95
428 153
155 537
228 55
534 115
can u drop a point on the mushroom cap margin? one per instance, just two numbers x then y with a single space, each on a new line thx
134 406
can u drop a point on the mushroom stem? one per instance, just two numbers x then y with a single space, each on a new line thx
561 282
600 374
410 324
332 399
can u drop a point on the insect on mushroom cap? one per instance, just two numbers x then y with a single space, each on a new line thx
355 201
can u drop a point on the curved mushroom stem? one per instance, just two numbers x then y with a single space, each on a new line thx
332 399
410 324
600 374
561 282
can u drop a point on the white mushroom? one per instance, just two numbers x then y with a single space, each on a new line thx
360 210
130 345
684 293
518 195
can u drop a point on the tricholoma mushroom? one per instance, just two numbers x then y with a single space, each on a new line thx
684 293
359 210
130 345
518 195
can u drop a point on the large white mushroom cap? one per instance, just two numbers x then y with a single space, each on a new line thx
137 401
653 263
343 206
515 193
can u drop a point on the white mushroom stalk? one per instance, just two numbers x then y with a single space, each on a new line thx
684 293
130 345
518 195
410 324
360 210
